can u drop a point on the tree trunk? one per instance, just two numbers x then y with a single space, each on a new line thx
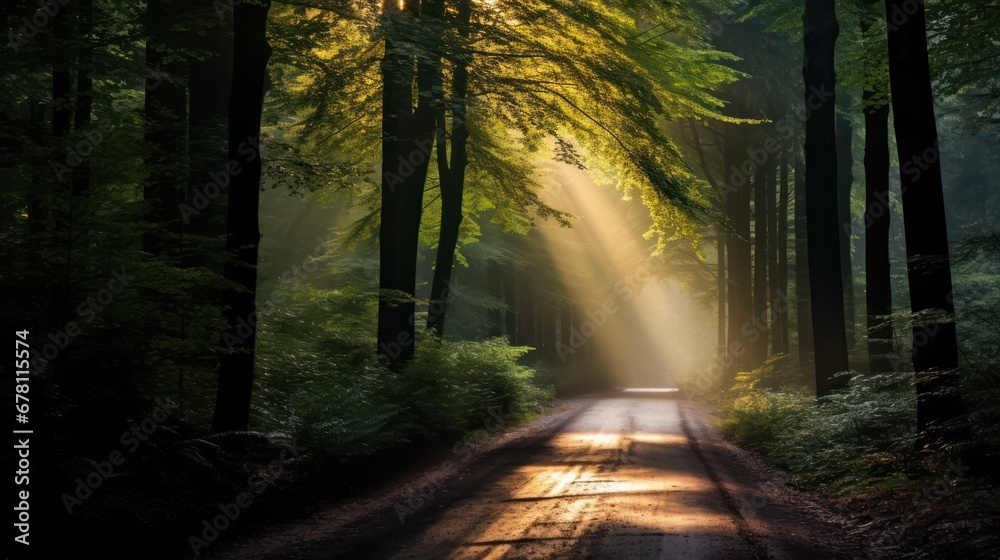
208 133
737 206
38 207
62 219
720 252
494 283
845 179
761 184
779 303
565 333
510 313
774 288
165 135
407 142
526 316
250 55
803 299
878 285
935 346
72 226
452 182
826 286
548 320
80 188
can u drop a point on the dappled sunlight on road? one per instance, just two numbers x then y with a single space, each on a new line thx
621 479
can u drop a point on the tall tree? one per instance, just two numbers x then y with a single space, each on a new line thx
79 194
166 131
720 277
878 283
779 301
526 323
737 207
62 119
407 142
845 179
453 176
720 242
208 78
773 283
510 306
935 344
803 299
494 283
251 52
761 184
566 331
825 275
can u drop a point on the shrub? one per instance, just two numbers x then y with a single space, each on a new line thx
861 436
756 416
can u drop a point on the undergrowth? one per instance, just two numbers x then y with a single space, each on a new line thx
859 439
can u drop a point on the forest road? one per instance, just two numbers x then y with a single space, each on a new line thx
625 476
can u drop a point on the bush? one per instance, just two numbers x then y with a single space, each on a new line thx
756 416
861 436
318 380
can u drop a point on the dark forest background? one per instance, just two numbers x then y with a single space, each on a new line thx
361 231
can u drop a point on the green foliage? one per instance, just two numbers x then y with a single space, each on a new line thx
318 380
860 437
977 267
756 416
857 439
468 377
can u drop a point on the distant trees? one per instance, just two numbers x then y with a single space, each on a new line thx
165 131
762 183
845 181
878 284
740 287
543 78
825 310
780 297
803 292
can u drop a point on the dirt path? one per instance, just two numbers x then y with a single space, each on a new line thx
625 476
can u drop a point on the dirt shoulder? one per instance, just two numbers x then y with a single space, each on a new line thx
409 490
